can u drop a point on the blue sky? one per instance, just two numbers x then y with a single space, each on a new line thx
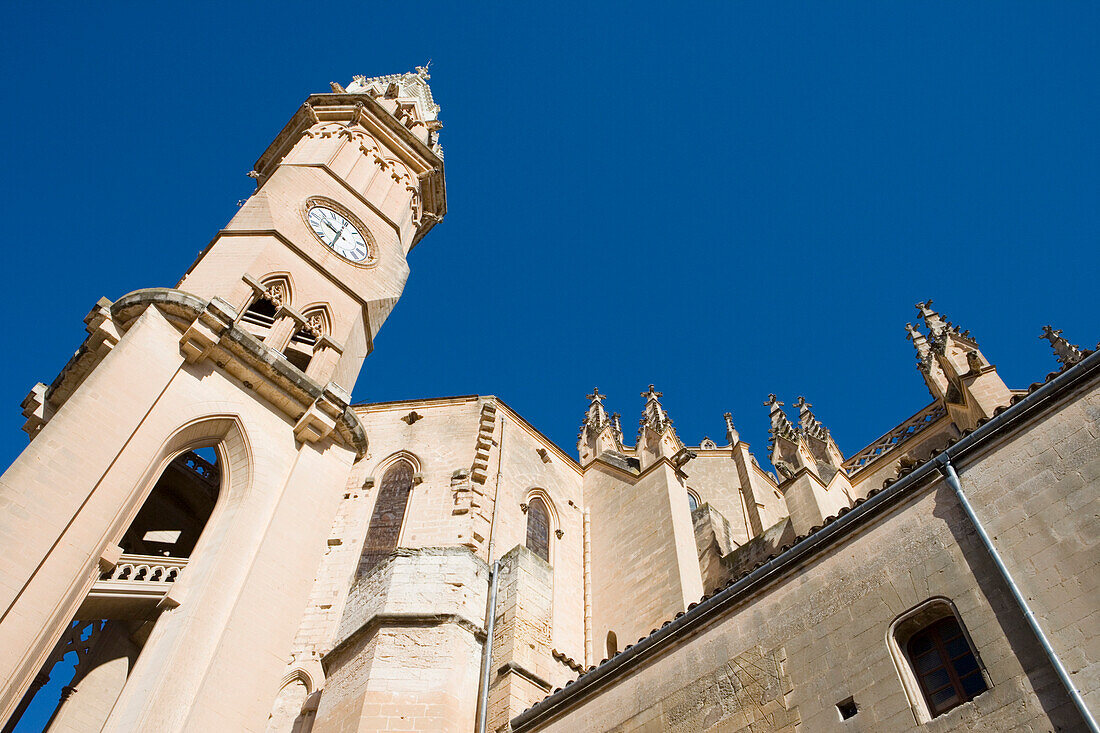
723 199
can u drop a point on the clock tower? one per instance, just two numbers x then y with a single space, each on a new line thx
249 361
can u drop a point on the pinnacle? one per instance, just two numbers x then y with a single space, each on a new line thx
1068 354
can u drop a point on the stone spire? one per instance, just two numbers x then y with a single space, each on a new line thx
597 432
780 426
955 370
617 426
596 416
920 343
1068 354
656 437
819 441
939 328
654 416
809 424
933 321
731 432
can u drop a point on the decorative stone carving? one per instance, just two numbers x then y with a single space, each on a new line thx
1067 354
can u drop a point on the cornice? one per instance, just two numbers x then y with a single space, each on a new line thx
244 357
433 183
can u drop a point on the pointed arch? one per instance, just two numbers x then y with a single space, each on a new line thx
398 476
300 348
280 284
542 523
226 434
396 456
321 315
262 310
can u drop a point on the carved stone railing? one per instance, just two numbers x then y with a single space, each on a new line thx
896 437
200 466
135 588
144 569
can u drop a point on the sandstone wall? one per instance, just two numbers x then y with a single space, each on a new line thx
820 635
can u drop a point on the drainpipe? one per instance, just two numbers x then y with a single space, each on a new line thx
952 479
487 650
490 621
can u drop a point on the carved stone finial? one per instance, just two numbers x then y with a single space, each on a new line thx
595 417
1068 354
337 88
935 323
617 426
802 404
653 415
773 402
422 71
731 432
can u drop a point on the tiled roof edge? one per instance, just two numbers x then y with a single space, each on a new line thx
1022 408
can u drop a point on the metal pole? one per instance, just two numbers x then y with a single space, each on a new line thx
487 650
953 481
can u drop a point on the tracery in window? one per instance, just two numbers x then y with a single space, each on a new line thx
538 528
388 516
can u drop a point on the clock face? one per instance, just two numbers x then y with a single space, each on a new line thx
337 233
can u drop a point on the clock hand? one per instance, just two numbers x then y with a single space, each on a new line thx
338 235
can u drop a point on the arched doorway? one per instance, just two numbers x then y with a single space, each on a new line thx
82 678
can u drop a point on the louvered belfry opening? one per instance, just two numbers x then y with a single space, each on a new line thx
261 313
389 513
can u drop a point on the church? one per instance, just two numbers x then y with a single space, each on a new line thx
220 540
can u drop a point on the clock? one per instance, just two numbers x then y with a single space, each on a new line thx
337 232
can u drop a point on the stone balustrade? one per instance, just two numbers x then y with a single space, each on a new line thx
144 569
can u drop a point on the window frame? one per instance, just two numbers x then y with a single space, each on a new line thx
901 632
552 522
382 469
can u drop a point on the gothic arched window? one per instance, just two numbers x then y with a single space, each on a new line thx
389 513
538 528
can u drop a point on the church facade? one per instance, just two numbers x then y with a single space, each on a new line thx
220 540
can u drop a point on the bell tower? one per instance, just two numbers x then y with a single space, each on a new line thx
346 190
111 517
